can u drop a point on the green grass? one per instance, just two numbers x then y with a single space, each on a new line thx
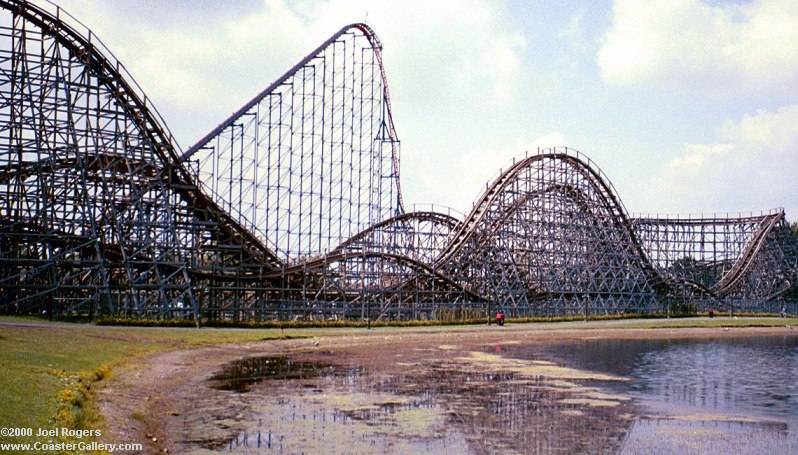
712 323
360 324
46 367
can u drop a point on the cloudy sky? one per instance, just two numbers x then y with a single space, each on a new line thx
687 106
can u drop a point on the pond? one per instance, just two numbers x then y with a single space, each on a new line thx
629 396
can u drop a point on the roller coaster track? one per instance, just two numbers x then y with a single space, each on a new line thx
336 144
321 263
442 219
608 199
740 263
109 71
743 264
101 208
377 47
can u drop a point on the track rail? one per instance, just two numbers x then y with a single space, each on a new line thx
320 263
109 71
434 217
743 264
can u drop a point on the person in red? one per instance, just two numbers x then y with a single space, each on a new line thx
500 318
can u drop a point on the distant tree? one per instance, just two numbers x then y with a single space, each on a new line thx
686 263
702 272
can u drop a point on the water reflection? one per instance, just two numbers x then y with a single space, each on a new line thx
511 413
449 405
627 396
240 375
730 395
680 437
755 375
312 424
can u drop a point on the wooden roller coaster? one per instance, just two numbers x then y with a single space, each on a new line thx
292 207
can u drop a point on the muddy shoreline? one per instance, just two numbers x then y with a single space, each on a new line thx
167 402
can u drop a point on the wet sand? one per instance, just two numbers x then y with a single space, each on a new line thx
384 391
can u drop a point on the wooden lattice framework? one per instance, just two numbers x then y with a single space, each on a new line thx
292 207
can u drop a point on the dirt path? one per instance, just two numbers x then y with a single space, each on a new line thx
153 399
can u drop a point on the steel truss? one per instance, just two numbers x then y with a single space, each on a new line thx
292 207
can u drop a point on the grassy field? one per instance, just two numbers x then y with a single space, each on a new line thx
50 369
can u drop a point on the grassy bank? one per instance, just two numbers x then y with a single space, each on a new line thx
50 371
333 324
719 322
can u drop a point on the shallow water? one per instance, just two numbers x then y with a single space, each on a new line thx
701 396
594 396
239 376
752 376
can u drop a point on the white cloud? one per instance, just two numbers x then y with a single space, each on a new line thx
451 66
686 44
752 166
457 179
211 67
574 34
